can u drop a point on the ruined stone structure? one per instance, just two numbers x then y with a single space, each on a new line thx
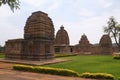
103 48
38 39
84 47
106 45
39 42
62 41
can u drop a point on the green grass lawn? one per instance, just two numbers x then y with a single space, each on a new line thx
81 64
2 55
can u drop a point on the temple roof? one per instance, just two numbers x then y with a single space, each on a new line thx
39 26
62 36
84 39
105 39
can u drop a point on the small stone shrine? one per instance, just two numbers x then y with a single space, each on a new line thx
84 46
106 45
62 36
38 39
62 41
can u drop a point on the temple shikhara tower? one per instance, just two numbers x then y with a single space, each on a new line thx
38 39
62 41
62 36
106 45
84 46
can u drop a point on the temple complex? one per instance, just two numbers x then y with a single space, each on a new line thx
39 42
62 41
38 39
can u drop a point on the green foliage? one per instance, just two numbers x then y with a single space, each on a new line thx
102 76
64 55
93 64
118 78
63 72
47 70
13 4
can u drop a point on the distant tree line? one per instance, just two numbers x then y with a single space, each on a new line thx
2 49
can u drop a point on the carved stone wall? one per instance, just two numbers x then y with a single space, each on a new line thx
38 39
14 48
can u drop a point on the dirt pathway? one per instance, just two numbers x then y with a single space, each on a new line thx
6 73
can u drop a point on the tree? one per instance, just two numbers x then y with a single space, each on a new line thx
113 30
13 4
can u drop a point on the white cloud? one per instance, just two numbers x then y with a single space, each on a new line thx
108 5
43 4
8 30
91 26
104 3
4 10
35 3
114 12
55 4
86 13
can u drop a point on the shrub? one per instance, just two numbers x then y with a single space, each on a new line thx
47 70
63 72
102 76
116 55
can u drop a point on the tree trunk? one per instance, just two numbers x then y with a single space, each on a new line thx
119 49
119 43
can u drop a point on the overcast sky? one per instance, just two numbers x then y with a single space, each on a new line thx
77 16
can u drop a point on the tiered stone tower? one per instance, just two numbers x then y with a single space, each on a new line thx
62 36
39 26
84 46
84 40
62 41
106 45
38 39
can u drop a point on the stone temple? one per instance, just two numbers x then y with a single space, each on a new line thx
84 45
38 39
103 48
62 41
39 42
106 45
62 36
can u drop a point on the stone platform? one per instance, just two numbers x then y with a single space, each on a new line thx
26 62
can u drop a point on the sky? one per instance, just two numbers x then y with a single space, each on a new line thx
77 16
